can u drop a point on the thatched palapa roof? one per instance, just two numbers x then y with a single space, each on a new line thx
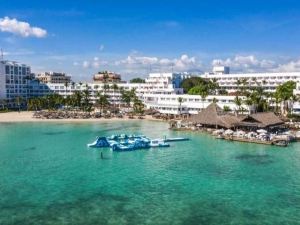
213 115
261 120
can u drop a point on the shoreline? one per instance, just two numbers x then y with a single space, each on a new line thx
27 116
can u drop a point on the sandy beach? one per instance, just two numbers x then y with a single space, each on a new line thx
26 116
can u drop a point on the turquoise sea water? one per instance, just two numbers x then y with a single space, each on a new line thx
49 176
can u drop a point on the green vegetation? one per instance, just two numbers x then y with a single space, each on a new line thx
81 100
189 83
137 80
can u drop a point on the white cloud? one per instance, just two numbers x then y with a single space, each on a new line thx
20 28
95 63
247 63
183 63
101 48
20 52
292 66
86 64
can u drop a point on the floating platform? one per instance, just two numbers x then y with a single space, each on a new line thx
125 142
278 142
176 139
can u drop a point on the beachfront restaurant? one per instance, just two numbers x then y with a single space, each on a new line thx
264 120
214 117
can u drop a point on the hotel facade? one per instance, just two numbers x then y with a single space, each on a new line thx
13 81
161 91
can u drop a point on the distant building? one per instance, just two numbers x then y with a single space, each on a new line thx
268 81
54 78
13 81
107 77
167 78
221 70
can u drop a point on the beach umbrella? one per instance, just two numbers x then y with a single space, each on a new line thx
262 131
228 132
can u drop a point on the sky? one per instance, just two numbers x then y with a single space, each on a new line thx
135 37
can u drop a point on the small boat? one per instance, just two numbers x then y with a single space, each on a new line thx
158 143
282 143
220 136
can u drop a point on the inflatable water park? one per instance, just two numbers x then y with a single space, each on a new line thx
125 142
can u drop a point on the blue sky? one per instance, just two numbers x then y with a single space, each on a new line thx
134 37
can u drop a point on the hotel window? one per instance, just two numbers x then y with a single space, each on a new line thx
7 69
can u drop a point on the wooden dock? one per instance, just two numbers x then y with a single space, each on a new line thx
254 141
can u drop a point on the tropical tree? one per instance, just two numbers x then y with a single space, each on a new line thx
34 103
189 83
3 103
226 108
102 100
249 103
138 106
180 100
285 94
238 84
222 92
215 100
137 80
18 101
77 99
126 97
86 100
66 84
213 86
276 98
238 101
106 87
115 88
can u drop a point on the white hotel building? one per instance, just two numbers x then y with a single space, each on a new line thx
160 91
269 81
13 81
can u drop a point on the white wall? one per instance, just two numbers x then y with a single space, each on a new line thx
2 81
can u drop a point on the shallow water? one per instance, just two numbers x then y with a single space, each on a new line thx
49 176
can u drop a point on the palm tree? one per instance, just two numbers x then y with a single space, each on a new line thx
66 87
138 106
226 108
215 100
2 103
115 87
105 76
102 100
249 103
213 85
180 100
77 99
203 94
106 87
238 101
245 85
86 100
285 93
18 101
238 84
